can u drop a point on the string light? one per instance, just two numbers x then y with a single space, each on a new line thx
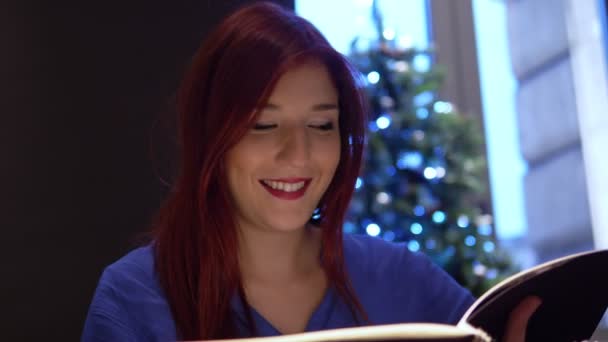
358 183
387 102
373 77
439 216
418 135
349 227
479 269
440 172
383 121
423 99
372 229
422 63
485 229
443 107
416 228
470 241
488 246
413 246
492 273
389 235
409 160
422 113
463 221
383 198
430 173
485 219
401 66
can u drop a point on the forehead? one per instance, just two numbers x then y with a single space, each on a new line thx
306 82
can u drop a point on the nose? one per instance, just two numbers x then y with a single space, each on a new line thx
295 149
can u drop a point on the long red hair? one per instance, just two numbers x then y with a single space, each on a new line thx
195 237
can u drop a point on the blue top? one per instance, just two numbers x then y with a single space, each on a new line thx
393 284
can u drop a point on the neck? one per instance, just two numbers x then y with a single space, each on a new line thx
278 256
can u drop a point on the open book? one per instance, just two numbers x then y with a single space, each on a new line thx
573 290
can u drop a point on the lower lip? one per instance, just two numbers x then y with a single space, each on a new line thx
294 195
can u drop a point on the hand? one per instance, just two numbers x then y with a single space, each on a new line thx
518 319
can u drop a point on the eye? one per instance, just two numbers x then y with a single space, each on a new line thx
263 127
325 127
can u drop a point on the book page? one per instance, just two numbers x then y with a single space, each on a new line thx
422 332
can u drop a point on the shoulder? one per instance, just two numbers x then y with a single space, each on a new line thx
375 254
127 299
130 274
398 285
375 258
121 278
137 265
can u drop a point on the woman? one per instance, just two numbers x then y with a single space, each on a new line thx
271 129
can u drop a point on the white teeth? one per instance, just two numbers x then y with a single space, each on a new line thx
287 187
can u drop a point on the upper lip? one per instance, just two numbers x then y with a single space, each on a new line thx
288 180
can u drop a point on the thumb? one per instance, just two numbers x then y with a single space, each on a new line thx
518 319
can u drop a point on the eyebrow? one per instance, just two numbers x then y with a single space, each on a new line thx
317 108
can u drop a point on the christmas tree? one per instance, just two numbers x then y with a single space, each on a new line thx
423 179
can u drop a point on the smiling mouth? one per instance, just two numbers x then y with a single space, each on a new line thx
288 189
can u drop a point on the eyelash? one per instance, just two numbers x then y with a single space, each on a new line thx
328 126
324 127
262 127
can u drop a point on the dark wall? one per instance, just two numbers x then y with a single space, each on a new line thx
81 85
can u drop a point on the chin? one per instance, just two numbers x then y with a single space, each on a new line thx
287 226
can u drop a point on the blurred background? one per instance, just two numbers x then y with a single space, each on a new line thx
83 86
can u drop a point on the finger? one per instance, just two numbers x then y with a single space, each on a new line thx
518 319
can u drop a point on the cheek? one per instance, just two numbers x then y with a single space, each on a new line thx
241 155
231 173
329 154
243 162
236 165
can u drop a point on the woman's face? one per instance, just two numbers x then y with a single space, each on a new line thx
280 169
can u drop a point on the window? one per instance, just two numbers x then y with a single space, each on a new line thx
343 20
